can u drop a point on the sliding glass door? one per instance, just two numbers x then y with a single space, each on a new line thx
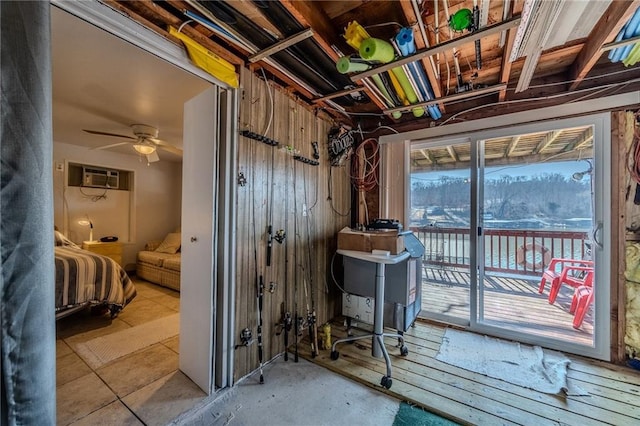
441 218
512 222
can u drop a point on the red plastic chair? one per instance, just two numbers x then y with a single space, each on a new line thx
558 270
582 300
584 277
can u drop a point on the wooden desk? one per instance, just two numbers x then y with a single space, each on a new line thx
112 250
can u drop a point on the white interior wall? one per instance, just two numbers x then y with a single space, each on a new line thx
156 202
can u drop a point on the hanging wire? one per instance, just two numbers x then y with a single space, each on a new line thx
266 130
94 197
364 165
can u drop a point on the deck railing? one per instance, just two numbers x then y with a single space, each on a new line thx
521 252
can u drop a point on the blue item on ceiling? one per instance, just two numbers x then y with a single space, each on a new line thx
630 29
407 46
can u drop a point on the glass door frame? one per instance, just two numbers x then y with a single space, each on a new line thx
602 217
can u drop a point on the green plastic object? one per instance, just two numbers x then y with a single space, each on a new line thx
344 66
461 20
633 57
374 49
408 90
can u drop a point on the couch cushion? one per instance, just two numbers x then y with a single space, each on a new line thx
172 263
171 243
153 257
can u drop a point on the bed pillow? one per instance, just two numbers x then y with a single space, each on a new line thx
61 240
171 243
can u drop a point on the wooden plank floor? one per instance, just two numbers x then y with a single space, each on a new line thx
508 302
471 398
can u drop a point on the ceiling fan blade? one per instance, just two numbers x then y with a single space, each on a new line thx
115 135
170 148
113 145
153 157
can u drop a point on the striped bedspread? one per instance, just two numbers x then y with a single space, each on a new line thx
82 276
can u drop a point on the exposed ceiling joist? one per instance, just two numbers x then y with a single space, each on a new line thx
141 7
309 15
281 45
505 66
507 40
427 155
452 153
547 141
582 140
618 13
512 145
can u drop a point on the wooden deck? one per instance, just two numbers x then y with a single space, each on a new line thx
509 302
471 398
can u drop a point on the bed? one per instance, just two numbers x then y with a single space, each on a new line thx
84 278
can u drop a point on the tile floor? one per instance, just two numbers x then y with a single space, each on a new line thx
144 387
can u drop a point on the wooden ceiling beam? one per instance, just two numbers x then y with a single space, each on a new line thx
618 13
580 141
452 153
512 146
142 10
548 139
428 156
412 18
505 67
513 8
310 15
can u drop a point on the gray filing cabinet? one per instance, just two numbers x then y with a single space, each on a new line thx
402 291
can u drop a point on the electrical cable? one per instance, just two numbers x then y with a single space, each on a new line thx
333 276
94 197
315 135
268 126
364 167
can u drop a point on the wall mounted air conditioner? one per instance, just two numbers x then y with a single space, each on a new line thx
100 178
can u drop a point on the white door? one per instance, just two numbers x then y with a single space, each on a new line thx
197 289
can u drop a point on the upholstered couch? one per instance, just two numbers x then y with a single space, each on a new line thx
159 262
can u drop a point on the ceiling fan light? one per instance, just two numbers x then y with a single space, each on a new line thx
144 149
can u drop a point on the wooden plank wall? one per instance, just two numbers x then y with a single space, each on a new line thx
304 205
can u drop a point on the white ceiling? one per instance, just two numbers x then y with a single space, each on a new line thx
103 83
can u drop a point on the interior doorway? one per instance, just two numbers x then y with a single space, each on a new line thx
221 285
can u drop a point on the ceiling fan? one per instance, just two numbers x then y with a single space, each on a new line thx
144 140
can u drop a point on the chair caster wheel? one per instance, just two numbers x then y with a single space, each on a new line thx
335 355
386 382
404 351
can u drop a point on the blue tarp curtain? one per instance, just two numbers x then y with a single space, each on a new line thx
28 375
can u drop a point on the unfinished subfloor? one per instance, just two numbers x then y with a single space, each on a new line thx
146 387
293 393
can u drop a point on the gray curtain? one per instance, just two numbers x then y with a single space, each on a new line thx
26 215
